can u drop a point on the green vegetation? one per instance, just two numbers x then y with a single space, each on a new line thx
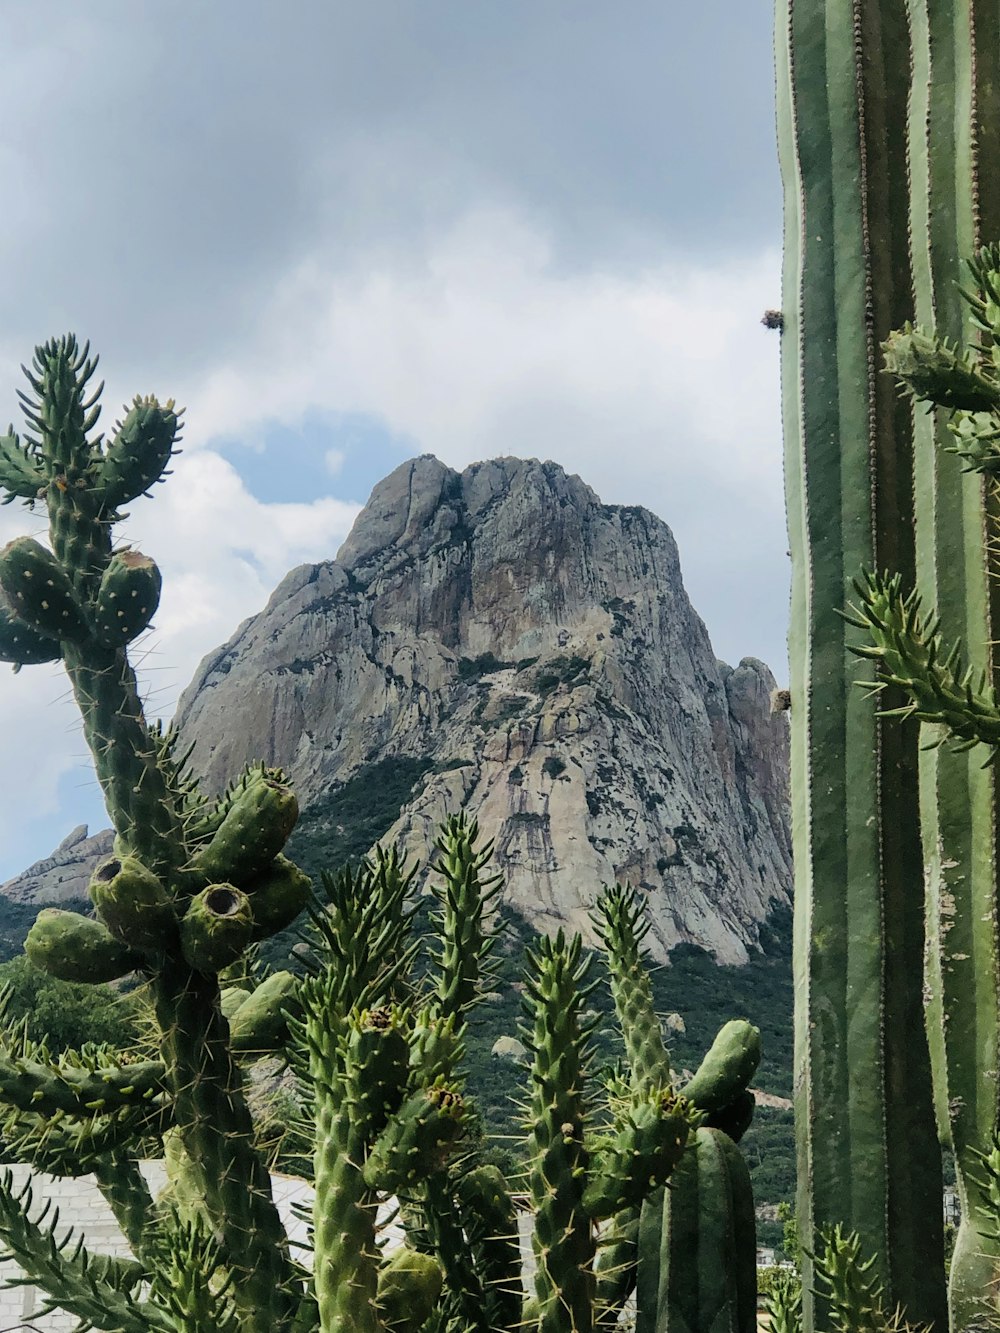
471 668
64 1015
377 1042
560 670
341 827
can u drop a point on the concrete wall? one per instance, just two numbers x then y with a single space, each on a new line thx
82 1207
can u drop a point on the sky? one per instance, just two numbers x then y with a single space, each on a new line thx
343 234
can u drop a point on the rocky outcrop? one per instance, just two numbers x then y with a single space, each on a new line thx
63 876
539 648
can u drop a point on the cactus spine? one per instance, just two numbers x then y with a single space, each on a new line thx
868 1155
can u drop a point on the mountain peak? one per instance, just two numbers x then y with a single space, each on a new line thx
538 648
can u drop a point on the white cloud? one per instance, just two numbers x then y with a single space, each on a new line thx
658 387
333 460
485 333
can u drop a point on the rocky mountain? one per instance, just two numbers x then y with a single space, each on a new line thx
537 647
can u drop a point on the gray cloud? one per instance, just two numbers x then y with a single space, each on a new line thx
164 163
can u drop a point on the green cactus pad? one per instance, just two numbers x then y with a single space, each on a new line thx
127 598
216 927
132 903
255 829
708 1267
39 591
70 947
277 896
728 1067
138 455
258 1022
409 1287
418 1140
24 646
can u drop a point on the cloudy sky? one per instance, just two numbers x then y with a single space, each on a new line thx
345 233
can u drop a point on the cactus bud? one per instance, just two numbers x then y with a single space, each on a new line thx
138 455
216 928
277 896
39 591
255 829
258 1023
639 1157
378 1054
70 947
127 598
132 903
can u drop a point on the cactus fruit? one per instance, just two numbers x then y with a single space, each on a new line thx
259 1021
133 903
127 598
277 896
70 947
409 1286
419 1140
216 928
23 646
251 835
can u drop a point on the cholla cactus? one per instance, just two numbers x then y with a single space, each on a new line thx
193 885
690 1250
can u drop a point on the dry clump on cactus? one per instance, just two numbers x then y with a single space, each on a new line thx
376 1041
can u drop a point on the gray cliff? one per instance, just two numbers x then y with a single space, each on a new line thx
539 647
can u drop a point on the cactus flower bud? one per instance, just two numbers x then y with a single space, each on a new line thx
255 829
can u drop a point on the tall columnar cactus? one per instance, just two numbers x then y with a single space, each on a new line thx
867 206
956 698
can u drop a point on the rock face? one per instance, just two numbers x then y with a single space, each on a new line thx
66 873
539 648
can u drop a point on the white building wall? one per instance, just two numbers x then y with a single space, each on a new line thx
81 1206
